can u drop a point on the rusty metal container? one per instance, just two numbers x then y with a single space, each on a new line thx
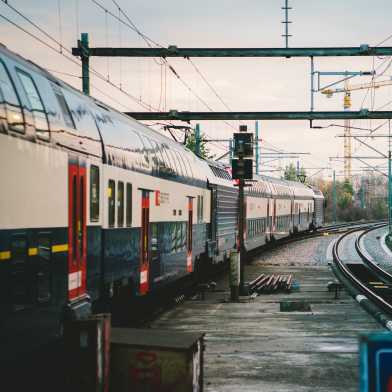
146 360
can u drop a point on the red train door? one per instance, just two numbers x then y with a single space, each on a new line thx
145 243
189 235
77 232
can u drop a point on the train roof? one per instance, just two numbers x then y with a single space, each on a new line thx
127 142
281 187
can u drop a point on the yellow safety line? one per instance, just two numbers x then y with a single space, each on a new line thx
33 251
5 255
376 283
380 287
59 248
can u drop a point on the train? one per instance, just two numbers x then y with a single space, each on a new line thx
95 206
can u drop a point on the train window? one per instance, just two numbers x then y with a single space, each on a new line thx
201 208
173 237
152 153
166 157
178 237
161 159
63 106
120 204
37 106
189 166
20 280
154 243
174 160
128 218
180 170
184 166
74 218
111 202
94 193
184 234
198 209
44 283
8 95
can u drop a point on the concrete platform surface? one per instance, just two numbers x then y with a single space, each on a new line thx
252 346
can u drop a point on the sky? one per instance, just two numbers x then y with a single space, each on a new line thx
247 84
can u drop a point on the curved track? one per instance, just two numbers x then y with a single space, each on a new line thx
363 272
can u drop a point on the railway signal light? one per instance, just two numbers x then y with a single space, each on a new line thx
243 144
242 169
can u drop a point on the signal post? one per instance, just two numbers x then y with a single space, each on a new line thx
242 169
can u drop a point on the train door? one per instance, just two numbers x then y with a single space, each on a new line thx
189 235
145 243
77 232
213 225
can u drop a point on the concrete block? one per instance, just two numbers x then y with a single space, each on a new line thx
295 306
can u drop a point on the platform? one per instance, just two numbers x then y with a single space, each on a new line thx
254 347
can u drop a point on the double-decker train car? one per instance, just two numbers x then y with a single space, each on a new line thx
94 204
98 208
278 208
224 213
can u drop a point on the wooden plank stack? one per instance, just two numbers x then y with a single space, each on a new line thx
267 284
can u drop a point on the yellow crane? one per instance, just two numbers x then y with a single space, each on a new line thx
347 105
362 86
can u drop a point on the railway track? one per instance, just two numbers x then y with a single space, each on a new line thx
155 306
365 280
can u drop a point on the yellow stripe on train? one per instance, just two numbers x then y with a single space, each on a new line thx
5 255
33 251
59 248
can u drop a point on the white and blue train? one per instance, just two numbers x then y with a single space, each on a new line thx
95 205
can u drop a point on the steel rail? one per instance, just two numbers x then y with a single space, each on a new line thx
353 279
367 259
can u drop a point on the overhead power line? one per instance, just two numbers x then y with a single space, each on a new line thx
150 42
61 51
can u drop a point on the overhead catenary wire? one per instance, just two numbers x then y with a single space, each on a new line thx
150 42
128 22
71 57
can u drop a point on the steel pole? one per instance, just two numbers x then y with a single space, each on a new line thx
257 146
241 232
85 58
311 84
334 197
197 139
389 183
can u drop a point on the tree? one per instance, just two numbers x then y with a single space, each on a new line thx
380 209
344 200
290 172
204 150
